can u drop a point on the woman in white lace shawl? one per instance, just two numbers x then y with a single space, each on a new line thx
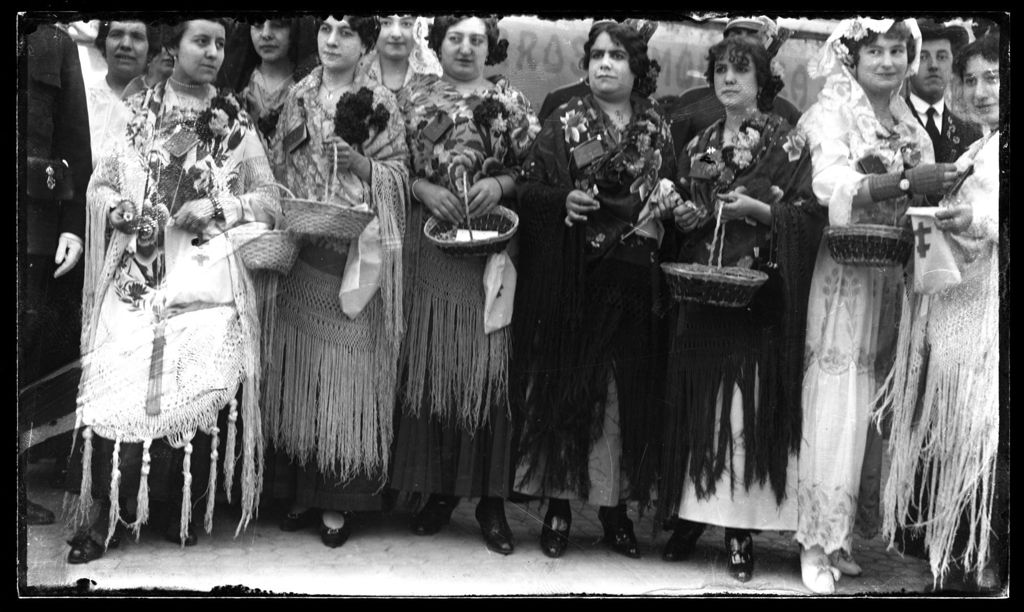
870 157
170 326
943 390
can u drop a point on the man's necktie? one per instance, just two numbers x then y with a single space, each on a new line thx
930 127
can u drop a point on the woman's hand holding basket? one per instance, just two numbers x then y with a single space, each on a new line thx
441 202
484 195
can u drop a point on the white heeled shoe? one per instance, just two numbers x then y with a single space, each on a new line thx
818 575
844 562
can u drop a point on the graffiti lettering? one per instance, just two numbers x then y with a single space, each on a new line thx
525 50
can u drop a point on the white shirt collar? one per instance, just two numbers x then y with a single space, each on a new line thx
921 108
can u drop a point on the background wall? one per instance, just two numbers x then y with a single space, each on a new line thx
544 55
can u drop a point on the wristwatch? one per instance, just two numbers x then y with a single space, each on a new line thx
904 183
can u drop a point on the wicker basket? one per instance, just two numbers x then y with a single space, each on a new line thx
869 245
315 218
501 219
728 286
265 249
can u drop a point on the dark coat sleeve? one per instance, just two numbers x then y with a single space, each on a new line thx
559 97
58 118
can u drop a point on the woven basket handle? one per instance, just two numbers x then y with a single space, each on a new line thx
288 192
715 240
334 170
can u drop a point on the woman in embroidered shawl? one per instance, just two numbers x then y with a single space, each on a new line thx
170 328
401 53
738 371
944 388
331 384
455 433
870 159
586 332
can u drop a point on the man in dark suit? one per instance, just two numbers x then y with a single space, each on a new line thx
55 164
950 134
693 111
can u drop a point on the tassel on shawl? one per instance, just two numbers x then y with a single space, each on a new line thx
186 494
85 492
229 451
390 194
142 500
115 494
211 489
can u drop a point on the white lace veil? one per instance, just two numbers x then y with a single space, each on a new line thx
834 55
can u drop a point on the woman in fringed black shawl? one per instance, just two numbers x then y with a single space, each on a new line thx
585 324
733 385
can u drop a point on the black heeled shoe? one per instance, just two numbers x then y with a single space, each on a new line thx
333 537
294 521
740 545
683 541
435 515
554 542
490 513
85 549
618 531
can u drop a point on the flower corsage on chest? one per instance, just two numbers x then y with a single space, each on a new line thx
197 156
600 163
717 167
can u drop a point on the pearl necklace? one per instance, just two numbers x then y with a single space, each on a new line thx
186 86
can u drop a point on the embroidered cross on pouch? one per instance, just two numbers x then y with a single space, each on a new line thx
920 233
200 258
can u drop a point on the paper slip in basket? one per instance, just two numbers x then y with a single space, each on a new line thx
463 235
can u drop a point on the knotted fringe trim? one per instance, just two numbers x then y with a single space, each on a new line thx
142 500
186 493
390 195
447 352
115 495
266 287
211 489
949 430
229 451
332 399
83 508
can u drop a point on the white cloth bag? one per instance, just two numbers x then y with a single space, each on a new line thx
361 278
935 268
499 291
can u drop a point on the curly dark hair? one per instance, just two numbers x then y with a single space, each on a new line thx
152 37
899 31
176 31
987 47
497 47
740 51
644 69
294 35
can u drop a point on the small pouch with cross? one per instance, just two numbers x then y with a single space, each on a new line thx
935 267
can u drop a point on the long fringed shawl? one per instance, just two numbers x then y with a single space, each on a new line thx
449 365
943 393
578 323
759 349
123 175
331 387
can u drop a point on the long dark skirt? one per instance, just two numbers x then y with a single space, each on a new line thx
435 457
288 481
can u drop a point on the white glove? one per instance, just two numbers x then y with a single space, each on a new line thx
69 251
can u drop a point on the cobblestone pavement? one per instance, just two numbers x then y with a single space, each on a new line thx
384 558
